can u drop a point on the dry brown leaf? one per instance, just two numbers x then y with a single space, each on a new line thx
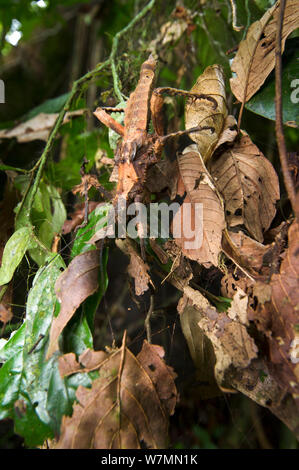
245 250
233 347
229 132
37 128
209 112
277 315
257 382
200 189
200 347
5 314
127 406
73 286
255 58
238 309
137 268
249 186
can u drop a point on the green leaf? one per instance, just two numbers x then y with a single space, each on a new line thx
78 334
48 215
119 117
263 102
79 144
97 219
25 376
53 105
13 253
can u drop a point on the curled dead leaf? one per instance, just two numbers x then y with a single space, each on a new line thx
249 253
209 112
137 268
200 347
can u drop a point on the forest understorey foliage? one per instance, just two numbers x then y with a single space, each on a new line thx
78 369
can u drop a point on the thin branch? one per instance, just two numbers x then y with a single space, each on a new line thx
278 110
116 38
147 322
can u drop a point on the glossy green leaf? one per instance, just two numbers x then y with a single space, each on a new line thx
52 105
25 376
48 215
263 102
97 219
13 253
78 334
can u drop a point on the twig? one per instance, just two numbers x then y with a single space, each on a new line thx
147 322
278 111
116 38
120 371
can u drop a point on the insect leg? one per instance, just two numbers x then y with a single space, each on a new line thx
106 119
162 139
186 94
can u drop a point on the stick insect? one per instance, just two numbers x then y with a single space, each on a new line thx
138 150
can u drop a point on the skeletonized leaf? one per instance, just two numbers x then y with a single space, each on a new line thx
249 186
73 286
255 58
208 112
129 403
200 191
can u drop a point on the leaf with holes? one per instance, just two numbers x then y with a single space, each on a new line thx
255 58
249 186
127 406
